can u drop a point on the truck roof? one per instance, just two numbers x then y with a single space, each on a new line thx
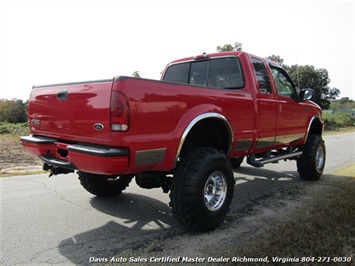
210 55
220 54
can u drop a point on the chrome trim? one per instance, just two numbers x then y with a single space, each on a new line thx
215 191
285 139
38 140
198 119
99 126
310 124
265 142
153 156
309 127
51 160
259 163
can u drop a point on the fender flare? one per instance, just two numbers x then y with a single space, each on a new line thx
198 119
313 119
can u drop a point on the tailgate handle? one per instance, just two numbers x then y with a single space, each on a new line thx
62 95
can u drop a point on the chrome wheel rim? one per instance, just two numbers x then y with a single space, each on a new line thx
320 158
215 191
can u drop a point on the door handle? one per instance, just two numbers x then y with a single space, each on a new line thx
62 95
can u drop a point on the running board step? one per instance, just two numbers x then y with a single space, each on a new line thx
271 159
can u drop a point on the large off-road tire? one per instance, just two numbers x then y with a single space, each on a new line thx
311 164
202 189
103 185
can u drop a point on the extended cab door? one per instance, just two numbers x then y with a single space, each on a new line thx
267 106
292 114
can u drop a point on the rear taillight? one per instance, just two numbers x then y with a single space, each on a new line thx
119 111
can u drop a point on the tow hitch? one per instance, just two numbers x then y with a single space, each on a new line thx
56 170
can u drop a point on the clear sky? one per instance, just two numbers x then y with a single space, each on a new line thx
53 41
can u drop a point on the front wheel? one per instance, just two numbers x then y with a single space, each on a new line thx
311 164
104 185
202 189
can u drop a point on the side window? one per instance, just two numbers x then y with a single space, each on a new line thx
262 76
284 85
178 73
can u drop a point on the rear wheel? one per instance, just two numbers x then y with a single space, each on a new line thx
104 185
202 189
311 164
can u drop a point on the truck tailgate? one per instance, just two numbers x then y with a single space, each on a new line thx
74 111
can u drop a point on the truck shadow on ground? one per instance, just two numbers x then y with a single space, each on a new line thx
253 185
134 220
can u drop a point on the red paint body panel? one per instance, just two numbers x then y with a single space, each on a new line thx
72 119
161 111
159 114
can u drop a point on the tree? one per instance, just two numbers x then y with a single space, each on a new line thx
136 74
308 77
318 79
304 76
228 47
13 111
276 58
343 103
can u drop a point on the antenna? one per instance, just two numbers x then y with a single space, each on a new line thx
297 73
298 78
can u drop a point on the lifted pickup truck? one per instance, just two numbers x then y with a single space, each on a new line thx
184 133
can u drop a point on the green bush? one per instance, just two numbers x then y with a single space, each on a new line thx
18 129
13 111
338 120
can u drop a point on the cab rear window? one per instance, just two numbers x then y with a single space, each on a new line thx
223 73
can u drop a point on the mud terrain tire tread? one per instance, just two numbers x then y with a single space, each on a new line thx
104 186
307 163
187 194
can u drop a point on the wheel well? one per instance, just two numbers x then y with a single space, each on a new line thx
316 127
210 132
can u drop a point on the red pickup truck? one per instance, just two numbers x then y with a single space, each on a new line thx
184 133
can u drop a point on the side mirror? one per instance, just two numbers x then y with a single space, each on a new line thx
307 94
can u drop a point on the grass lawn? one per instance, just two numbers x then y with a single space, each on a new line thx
323 230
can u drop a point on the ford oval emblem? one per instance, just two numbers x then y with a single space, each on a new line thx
99 126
